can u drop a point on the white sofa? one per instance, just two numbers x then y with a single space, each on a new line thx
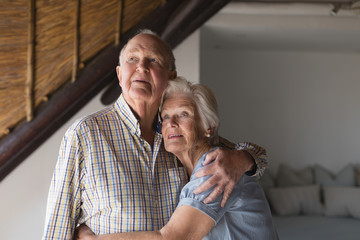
312 227
312 203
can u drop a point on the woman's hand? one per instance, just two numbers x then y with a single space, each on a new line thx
226 170
83 232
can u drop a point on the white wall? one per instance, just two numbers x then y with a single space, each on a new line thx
24 191
303 107
187 56
287 77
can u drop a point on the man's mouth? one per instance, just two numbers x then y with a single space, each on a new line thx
141 81
174 136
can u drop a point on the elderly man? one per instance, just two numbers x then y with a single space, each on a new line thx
113 172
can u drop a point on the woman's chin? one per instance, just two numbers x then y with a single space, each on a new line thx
174 148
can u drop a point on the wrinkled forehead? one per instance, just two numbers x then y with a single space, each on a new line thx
179 100
147 43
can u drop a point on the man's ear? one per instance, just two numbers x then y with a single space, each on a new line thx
172 75
118 73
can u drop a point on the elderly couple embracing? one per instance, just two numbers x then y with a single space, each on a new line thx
152 166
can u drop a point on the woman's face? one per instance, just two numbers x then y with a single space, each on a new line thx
180 124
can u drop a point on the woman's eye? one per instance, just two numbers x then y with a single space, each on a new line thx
184 114
153 60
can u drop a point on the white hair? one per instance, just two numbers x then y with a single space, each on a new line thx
204 100
171 56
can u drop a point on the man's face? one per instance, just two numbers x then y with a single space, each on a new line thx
144 71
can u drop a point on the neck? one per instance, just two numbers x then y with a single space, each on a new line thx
190 158
146 114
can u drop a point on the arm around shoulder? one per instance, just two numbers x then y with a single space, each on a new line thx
259 155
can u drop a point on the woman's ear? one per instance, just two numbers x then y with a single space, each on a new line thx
209 132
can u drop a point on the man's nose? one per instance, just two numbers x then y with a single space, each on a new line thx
143 66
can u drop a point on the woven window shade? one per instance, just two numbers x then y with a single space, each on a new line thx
26 84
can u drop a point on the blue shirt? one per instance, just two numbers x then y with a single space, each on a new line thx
246 214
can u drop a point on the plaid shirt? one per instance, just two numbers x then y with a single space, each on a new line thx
108 177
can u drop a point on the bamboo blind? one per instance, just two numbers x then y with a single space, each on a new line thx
45 43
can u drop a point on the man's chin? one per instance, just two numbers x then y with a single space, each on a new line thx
140 93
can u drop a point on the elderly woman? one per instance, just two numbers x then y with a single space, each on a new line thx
190 124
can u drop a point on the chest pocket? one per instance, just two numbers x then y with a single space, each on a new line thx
171 182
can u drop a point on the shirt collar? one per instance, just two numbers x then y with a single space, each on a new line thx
124 110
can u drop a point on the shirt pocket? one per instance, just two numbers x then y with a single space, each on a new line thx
177 178
171 182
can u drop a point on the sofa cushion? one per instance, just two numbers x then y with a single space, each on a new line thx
288 177
342 201
296 200
346 177
317 228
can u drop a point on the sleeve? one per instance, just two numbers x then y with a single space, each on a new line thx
63 207
257 152
212 209
187 197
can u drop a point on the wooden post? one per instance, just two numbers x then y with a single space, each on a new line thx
76 41
118 22
29 84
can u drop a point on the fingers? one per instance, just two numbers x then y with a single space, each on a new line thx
208 170
213 195
83 232
206 185
226 169
228 189
221 187
211 156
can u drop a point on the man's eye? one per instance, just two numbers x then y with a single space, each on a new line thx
184 114
154 60
131 59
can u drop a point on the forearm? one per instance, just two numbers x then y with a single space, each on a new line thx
83 232
186 223
155 235
258 154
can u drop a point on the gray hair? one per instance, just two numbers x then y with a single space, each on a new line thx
204 100
171 56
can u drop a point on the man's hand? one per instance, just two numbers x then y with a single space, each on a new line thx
226 170
83 232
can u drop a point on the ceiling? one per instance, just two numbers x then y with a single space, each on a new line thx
283 26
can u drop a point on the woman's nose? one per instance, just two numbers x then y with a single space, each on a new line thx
174 121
